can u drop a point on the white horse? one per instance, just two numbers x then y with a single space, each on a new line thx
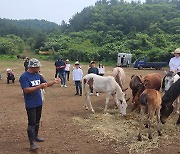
169 79
104 84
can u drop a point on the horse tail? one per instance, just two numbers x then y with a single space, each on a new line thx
143 99
119 92
83 86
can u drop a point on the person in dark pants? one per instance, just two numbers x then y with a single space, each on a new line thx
60 66
31 83
10 75
26 62
93 69
77 78
67 69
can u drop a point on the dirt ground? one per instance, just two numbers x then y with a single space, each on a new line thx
66 126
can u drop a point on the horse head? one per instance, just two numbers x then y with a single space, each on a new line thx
135 100
168 80
165 111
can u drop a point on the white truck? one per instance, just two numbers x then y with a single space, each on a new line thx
124 59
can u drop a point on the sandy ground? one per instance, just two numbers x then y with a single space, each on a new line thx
62 133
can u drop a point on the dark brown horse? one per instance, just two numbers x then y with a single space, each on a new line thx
135 83
150 81
167 100
151 99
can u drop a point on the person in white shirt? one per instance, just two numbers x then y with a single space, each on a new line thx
174 62
77 78
101 69
174 65
67 69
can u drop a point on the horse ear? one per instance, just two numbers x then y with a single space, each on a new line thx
141 76
132 76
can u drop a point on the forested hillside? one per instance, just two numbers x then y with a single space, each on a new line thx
99 32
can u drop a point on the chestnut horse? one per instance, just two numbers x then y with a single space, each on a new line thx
167 100
150 81
152 99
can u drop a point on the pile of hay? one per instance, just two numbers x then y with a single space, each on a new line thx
123 131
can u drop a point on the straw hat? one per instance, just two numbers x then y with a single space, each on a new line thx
177 51
67 59
92 62
76 63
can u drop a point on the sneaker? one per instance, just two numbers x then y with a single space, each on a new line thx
61 85
80 95
91 93
65 86
76 94
97 94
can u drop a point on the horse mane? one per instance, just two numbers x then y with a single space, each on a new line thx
172 93
137 78
169 74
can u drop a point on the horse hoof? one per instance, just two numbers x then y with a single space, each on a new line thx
177 112
139 138
159 133
177 124
93 111
150 137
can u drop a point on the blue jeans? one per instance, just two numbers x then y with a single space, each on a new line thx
62 76
78 87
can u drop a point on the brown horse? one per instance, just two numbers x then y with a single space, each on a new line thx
134 84
150 81
152 99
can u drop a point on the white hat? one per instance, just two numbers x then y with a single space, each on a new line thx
177 51
76 63
8 69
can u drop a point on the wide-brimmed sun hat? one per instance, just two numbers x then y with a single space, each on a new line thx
177 51
92 62
76 63
34 63
8 69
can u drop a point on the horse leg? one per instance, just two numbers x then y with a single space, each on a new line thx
86 102
158 121
151 114
178 121
89 101
115 100
141 123
106 103
177 104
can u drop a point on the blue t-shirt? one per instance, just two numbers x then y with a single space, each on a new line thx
27 80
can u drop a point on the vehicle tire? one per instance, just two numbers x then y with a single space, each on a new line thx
140 67
158 68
